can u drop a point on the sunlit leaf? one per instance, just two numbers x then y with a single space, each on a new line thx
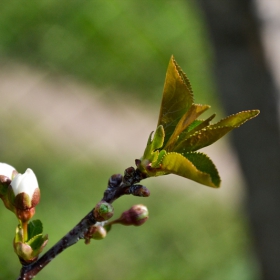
203 163
196 126
177 98
212 133
202 138
178 164
194 112
237 119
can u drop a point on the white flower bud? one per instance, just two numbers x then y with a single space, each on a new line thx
7 170
26 183
25 190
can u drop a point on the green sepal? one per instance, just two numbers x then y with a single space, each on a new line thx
161 155
158 138
154 144
151 152
28 251
19 234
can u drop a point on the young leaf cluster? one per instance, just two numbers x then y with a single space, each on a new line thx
179 133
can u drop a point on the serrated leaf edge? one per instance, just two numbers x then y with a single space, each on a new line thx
255 111
200 172
183 76
206 156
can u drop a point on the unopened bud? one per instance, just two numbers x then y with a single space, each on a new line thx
28 252
7 170
7 173
103 211
96 232
138 190
24 194
136 215
25 190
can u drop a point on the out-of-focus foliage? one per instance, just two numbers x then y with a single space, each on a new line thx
124 44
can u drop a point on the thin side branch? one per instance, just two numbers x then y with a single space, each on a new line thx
72 237
118 185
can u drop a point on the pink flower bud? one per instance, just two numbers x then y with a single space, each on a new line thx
136 215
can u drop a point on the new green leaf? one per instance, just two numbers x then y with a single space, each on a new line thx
179 133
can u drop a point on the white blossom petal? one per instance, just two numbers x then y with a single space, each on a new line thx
26 183
6 170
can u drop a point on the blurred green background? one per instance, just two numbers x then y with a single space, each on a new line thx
81 85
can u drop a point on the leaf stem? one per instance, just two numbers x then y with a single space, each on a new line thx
25 231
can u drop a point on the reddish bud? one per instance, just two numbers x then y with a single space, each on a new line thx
25 215
136 215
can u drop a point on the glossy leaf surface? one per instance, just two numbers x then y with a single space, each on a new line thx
34 228
177 98
178 164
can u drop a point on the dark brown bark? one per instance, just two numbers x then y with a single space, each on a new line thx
244 82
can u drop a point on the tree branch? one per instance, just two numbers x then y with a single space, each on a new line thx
118 185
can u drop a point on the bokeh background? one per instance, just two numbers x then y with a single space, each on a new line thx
80 88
